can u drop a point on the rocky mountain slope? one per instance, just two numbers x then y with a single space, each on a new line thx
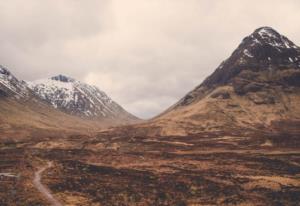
25 112
259 84
77 98
10 86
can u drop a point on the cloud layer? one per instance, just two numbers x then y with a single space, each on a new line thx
144 54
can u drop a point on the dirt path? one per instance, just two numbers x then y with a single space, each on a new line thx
42 188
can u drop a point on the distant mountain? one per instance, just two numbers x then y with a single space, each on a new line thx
11 86
56 105
77 98
259 84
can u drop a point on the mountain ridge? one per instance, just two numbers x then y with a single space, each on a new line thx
281 53
257 85
11 86
77 98
24 112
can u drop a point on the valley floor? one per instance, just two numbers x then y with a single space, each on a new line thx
122 168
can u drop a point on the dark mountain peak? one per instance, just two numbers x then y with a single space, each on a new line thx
62 78
267 31
268 36
264 49
268 28
264 57
266 45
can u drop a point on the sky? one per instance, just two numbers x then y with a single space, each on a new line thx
145 54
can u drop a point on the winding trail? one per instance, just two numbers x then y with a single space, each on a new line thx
42 188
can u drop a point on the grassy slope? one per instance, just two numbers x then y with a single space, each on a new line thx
35 118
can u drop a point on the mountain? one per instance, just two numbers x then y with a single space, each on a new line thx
11 86
26 112
257 86
77 98
233 140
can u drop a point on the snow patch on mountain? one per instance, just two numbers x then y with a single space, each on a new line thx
75 97
11 86
267 46
247 53
273 38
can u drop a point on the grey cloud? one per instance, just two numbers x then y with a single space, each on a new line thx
145 54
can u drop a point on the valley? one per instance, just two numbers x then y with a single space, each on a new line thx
233 140
113 169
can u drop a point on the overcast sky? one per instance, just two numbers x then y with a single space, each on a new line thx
145 54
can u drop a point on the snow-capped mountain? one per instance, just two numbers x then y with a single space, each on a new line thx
259 84
262 51
77 98
57 105
267 46
11 86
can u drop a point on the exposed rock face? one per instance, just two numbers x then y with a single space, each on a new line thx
261 78
77 98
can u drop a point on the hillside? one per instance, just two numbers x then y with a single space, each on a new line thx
257 86
26 113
